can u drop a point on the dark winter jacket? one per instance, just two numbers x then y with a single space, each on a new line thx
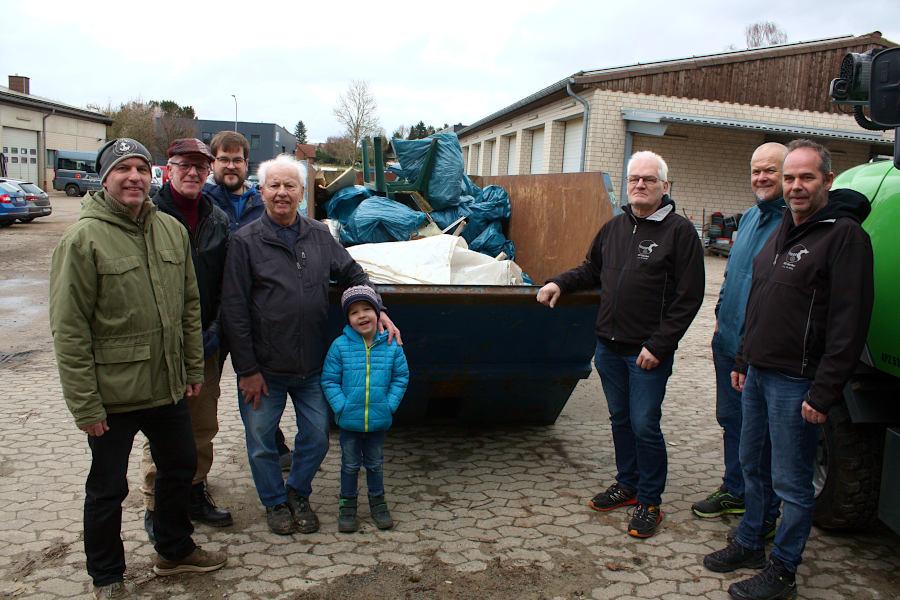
209 247
757 225
274 306
651 279
253 204
811 298
364 384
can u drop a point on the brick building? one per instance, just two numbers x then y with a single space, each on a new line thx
704 115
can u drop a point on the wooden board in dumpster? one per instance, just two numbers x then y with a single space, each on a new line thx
492 354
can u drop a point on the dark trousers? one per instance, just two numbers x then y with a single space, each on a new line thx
168 428
362 449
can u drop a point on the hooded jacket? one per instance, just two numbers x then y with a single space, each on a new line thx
124 311
209 247
364 384
275 298
757 224
651 278
811 298
254 207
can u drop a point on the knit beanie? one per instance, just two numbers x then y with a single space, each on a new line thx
360 293
115 151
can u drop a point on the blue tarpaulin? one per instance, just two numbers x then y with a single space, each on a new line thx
380 219
447 173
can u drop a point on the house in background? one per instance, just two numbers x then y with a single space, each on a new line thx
267 140
704 115
33 128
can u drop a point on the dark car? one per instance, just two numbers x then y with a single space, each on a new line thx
38 201
12 204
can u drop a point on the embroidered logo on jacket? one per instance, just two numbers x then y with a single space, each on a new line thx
794 255
645 249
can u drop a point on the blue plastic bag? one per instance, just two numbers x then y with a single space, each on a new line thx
380 219
342 204
448 171
492 242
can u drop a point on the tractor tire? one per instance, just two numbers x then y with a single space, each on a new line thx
847 478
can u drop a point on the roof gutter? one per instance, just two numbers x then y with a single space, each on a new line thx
42 159
585 120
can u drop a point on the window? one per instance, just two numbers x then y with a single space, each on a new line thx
15 150
33 161
32 151
5 150
277 136
15 159
254 141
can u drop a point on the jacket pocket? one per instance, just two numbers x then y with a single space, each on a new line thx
121 287
123 374
172 267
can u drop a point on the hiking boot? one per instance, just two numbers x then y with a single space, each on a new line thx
280 519
204 510
198 561
769 528
614 497
119 589
148 526
720 502
380 513
734 556
774 582
284 461
348 522
304 516
645 518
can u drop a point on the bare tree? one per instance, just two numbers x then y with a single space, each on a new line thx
355 110
340 148
764 33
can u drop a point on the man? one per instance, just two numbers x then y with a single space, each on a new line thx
756 226
275 305
807 318
207 228
125 317
243 204
648 263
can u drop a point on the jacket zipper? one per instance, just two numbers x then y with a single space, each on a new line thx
804 360
368 367
618 286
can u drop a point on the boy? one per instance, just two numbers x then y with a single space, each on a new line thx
364 379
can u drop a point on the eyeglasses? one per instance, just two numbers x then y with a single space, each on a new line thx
186 167
225 161
648 179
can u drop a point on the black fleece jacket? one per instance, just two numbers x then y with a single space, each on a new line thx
651 278
811 298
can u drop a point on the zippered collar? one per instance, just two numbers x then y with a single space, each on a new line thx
353 335
665 209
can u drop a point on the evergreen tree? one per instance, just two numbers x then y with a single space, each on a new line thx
300 132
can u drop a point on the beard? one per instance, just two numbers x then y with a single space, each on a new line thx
232 187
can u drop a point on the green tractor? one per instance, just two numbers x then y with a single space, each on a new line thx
858 465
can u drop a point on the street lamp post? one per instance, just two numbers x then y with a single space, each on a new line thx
235 112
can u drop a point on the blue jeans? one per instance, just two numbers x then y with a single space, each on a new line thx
362 449
771 412
310 443
635 397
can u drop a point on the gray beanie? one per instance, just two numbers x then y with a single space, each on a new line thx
360 293
115 151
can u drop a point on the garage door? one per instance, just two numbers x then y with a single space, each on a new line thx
537 151
572 146
20 147
512 158
492 164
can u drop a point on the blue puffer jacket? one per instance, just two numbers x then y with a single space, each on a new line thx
363 385
756 227
253 204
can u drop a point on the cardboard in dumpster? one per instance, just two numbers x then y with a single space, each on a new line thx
437 260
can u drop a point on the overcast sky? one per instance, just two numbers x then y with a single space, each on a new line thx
287 62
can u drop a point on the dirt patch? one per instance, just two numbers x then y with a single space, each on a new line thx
22 565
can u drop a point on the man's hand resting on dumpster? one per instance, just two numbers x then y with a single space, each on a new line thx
549 294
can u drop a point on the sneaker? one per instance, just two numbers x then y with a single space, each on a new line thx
280 519
348 522
720 502
119 589
774 582
304 516
204 510
380 513
769 528
734 556
148 526
198 561
645 518
614 497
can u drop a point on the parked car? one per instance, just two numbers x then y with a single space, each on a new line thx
13 205
37 200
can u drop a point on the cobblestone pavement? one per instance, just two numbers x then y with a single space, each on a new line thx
481 511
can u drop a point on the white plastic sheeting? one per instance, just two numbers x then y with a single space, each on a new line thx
440 259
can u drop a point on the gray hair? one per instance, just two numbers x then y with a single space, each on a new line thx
662 167
822 151
285 160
